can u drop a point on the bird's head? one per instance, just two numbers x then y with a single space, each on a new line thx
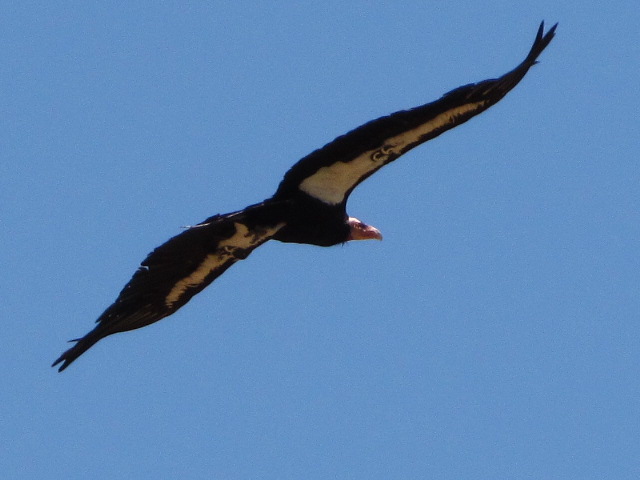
361 231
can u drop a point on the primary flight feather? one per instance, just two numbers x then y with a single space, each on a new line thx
309 206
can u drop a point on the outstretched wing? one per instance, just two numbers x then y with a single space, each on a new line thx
332 172
180 268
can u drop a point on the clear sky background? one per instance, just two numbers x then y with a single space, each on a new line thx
494 333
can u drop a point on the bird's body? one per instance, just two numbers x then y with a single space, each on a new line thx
309 206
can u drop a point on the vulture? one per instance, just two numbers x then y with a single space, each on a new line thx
309 206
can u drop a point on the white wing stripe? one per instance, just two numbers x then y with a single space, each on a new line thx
241 240
330 184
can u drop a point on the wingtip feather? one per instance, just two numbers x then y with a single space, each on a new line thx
540 43
81 346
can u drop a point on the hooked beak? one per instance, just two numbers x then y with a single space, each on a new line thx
362 231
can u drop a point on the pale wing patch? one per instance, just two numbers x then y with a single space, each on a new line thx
243 239
330 184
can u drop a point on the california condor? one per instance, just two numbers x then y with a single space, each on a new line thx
308 207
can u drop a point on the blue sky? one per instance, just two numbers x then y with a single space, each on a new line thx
492 334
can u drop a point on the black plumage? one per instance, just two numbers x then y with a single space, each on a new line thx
309 206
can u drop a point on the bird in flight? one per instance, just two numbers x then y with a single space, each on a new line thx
309 206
